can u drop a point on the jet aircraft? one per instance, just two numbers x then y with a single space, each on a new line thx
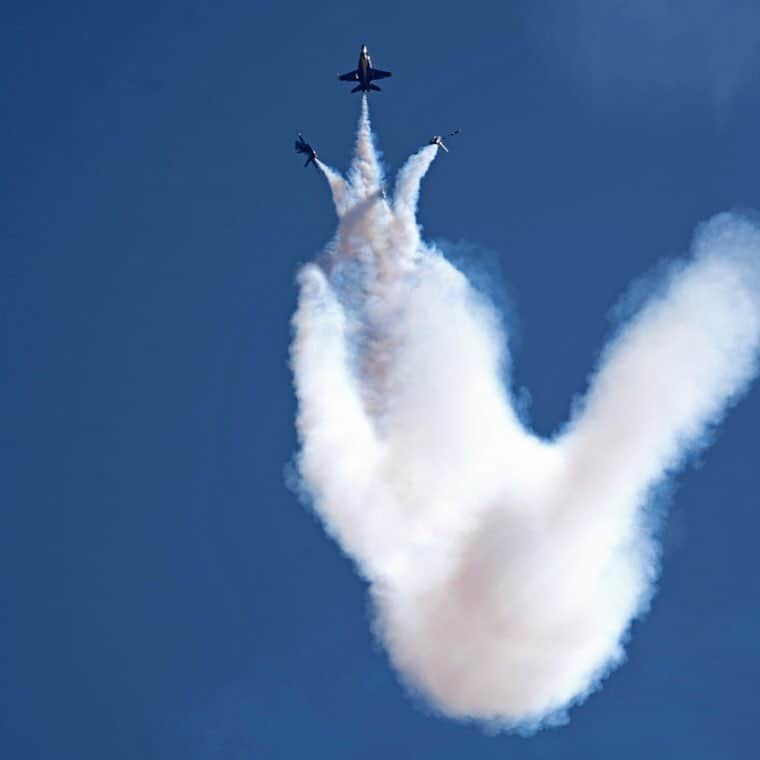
303 147
438 140
364 73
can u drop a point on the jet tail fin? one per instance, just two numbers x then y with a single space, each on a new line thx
357 88
374 87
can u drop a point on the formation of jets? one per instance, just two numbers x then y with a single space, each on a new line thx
364 74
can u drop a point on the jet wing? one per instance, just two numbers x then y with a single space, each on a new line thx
378 74
352 76
441 145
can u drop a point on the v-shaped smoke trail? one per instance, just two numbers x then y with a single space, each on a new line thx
504 569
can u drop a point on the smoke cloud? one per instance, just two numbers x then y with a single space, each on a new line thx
504 569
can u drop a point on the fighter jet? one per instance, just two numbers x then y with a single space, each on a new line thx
303 147
364 73
438 140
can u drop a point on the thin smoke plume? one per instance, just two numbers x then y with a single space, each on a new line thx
505 569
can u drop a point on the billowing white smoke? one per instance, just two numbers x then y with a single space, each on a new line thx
504 569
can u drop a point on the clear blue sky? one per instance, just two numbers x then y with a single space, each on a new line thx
162 594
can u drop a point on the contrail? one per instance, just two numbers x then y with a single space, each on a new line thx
505 569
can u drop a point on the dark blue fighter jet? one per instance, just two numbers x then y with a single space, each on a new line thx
303 147
438 139
364 73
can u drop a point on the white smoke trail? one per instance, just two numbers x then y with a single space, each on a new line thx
338 186
366 175
505 569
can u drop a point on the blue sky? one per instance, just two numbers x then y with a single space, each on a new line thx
163 593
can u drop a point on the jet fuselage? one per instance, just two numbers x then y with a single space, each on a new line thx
365 64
